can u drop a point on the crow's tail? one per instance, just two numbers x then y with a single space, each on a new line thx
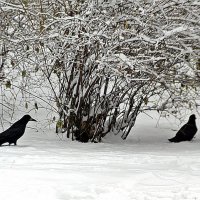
174 139
171 140
2 141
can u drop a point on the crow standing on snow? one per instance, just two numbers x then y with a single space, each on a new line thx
187 131
16 131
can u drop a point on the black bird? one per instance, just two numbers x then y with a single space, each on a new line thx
16 131
187 131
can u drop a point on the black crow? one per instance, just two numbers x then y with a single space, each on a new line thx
187 131
16 131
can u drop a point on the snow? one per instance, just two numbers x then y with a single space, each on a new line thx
144 167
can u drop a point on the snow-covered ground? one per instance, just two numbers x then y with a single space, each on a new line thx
144 167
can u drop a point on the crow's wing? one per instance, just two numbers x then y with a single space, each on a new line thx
12 132
184 130
187 131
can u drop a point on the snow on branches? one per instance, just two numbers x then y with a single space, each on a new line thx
104 60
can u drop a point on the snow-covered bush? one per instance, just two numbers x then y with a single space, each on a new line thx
104 60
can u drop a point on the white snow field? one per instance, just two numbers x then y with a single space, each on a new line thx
144 167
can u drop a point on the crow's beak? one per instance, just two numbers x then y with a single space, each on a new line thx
31 119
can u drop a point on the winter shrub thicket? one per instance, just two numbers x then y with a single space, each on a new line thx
103 62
